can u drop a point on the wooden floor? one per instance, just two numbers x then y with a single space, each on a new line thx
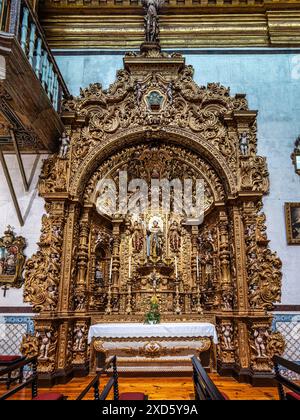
162 388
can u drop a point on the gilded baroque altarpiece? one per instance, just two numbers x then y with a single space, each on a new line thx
155 122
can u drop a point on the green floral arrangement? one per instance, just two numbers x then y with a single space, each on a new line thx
153 316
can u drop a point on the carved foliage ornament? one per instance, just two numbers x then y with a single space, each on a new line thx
184 105
264 344
263 265
161 162
42 270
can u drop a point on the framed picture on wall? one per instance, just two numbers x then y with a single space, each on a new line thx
292 217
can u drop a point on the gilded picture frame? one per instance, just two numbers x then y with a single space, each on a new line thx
12 259
292 219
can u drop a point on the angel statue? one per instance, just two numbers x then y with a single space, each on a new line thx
151 19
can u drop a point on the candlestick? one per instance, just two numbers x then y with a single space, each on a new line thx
108 306
110 269
128 307
197 264
176 272
129 267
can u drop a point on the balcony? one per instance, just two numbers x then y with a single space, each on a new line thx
31 86
31 91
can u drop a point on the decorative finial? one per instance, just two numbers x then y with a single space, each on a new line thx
152 8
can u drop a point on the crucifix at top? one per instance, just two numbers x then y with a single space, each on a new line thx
152 8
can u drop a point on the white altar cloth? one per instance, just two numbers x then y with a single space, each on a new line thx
168 329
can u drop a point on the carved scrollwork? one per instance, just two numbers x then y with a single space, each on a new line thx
276 344
263 265
198 109
29 346
53 176
42 270
254 174
264 344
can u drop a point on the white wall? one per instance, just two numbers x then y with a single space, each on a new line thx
32 208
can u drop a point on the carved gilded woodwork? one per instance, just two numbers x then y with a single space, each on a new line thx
29 346
226 349
155 122
46 332
148 352
43 268
118 25
264 344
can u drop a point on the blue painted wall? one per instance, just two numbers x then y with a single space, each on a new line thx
271 80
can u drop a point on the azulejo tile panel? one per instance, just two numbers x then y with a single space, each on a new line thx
289 326
12 329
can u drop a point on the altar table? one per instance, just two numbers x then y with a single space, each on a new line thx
144 347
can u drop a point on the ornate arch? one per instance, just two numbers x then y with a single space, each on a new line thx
137 135
195 166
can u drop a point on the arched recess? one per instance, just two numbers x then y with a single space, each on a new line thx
129 137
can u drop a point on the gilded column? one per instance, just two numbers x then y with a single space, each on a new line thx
242 355
116 264
224 254
68 281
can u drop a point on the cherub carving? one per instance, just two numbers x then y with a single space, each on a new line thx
244 144
260 336
227 331
64 147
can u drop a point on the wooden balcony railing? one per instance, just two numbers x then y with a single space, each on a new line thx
18 18
4 14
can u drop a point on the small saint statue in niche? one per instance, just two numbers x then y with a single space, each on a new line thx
154 239
169 92
175 236
64 145
209 271
106 200
151 19
99 276
154 280
244 144
137 237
